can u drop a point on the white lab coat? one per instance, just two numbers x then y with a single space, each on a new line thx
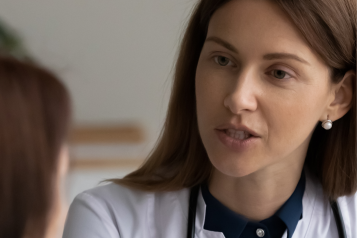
113 211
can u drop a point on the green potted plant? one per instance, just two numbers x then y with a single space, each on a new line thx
10 43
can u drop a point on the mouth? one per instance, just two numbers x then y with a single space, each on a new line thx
237 131
237 140
237 134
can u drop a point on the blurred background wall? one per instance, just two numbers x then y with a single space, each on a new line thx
116 58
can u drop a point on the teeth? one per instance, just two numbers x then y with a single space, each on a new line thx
240 135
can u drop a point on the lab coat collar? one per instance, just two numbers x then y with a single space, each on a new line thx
200 220
291 211
312 188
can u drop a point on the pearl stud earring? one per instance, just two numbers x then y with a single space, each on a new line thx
327 124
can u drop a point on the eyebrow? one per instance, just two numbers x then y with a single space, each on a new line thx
270 56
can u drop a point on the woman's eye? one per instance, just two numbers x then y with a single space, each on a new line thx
222 61
280 74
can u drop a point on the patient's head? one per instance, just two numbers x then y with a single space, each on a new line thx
34 122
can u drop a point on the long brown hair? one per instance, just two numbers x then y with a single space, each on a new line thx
179 159
34 120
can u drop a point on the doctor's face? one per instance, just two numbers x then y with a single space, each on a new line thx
256 70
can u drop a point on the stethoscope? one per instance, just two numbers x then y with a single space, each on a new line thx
193 204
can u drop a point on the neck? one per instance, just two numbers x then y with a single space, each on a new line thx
258 195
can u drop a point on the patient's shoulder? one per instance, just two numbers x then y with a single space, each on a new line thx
117 197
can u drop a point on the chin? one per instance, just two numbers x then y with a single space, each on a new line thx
233 167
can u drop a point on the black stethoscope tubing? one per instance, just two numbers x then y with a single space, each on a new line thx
193 204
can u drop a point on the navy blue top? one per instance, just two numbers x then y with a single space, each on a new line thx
222 219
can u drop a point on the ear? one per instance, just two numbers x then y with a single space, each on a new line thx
342 96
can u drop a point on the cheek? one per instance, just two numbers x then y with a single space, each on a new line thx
207 103
290 119
210 91
203 89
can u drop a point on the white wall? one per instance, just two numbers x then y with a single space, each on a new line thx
114 55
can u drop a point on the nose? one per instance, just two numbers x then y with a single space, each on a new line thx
243 95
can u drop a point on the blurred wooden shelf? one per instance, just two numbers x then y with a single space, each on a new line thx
115 163
107 134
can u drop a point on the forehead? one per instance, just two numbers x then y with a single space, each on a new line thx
258 27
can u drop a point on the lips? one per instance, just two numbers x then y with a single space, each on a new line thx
241 135
237 145
234 128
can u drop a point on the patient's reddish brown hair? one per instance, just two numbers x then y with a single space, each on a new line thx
34 119
179 159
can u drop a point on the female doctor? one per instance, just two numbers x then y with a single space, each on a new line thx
260 134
